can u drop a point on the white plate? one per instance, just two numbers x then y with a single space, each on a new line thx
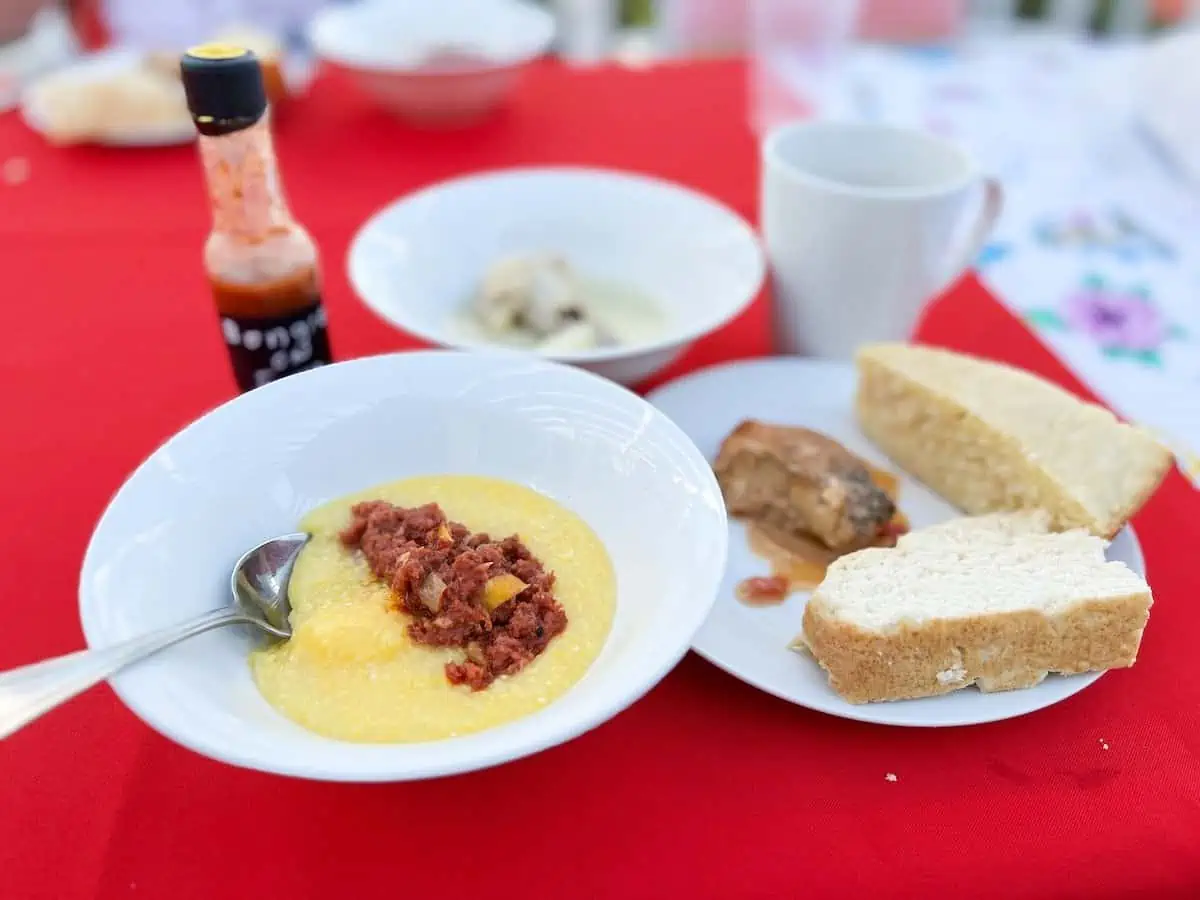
751 643
250 469
418 262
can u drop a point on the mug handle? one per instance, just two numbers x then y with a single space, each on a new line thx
989 212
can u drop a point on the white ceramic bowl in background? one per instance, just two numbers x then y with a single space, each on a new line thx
250 469
389 45
418 262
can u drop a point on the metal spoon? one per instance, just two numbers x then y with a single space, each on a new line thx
260 597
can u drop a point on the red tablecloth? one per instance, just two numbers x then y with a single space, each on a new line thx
707 788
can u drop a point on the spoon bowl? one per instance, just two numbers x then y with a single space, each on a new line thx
259 582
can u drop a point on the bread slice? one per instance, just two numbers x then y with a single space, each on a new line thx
974 531
989 437
942 611
1000 526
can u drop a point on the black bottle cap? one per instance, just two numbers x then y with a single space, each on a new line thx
224 87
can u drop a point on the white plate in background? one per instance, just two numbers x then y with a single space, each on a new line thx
751 643
297 71
99 66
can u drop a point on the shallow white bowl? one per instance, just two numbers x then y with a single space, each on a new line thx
418 261
387 46
250 469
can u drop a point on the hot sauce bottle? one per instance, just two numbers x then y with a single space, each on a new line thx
262 265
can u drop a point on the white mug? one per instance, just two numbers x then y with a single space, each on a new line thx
864 224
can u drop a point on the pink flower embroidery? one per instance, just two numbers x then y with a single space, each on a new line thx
1116 321
1124 324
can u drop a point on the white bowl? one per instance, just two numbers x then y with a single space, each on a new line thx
417 262
251 468
389 47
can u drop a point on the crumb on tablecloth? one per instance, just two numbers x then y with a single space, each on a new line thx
15 170
890 776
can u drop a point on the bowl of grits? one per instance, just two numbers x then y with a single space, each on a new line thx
615 272
504 553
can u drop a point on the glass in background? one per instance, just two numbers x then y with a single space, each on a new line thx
914 22
586 28
797 48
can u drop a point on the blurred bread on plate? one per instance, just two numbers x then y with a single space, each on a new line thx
112 97
989 437
129 97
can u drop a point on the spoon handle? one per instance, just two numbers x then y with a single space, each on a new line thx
29 691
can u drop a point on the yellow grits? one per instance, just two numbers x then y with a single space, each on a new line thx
350 670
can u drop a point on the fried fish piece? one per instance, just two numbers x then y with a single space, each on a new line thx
804 483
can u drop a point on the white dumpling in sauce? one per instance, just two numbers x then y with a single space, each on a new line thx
538 298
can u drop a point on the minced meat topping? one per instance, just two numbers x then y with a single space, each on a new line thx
492 598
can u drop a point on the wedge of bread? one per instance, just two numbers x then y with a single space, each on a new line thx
990 601
988 437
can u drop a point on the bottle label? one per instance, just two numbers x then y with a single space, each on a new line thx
264 349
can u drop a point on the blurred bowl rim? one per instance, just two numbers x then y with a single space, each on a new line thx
541 29
671 338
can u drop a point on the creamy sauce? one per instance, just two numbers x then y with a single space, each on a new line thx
624 313
800 561
797 562
770 590
350 670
